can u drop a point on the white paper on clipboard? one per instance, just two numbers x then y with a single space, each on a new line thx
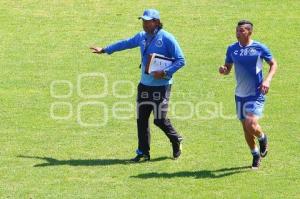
157 62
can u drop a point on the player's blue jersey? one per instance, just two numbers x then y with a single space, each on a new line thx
162 43
248 62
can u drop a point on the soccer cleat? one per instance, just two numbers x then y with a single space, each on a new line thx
256 162
177 148
140 157
263 146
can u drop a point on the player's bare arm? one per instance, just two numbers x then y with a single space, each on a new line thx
264 88
225 69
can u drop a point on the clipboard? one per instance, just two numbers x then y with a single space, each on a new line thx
157 62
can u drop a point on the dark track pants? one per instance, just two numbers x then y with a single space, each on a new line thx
156 99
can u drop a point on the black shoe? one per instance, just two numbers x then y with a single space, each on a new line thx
263 145
256 162
141 158
177 148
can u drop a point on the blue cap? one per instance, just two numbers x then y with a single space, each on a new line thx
150 14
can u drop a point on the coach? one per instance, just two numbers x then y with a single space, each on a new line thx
154 89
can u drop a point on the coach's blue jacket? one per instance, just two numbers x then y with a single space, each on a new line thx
162 43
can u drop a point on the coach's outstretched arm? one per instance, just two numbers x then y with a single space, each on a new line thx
119 46
97 50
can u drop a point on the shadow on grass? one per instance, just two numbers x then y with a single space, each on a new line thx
87 162
196 174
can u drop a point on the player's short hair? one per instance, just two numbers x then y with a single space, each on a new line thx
246 22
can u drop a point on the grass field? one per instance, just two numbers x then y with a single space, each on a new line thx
44 53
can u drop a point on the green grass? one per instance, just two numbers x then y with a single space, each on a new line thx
45 41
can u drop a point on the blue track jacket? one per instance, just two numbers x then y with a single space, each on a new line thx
162 42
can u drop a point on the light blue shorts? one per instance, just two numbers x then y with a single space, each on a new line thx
251 104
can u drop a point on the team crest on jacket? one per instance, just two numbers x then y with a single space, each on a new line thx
159 43
252 51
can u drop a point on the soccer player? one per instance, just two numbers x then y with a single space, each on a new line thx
154 89
247 56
